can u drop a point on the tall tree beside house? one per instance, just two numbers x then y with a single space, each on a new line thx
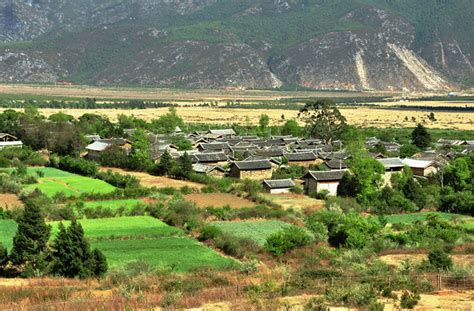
264 121
185 165
140 154
323 120
166 164
367 178
30 241
421 137
167 123
72 256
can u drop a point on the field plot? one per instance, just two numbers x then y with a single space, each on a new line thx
398 259
55 181
257 231
7 232
180 254
463 220
148 180
9 201
114 204
129 227
295 201
204 200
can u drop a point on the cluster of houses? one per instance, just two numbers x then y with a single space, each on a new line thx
223 153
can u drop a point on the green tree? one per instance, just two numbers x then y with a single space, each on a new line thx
29 243
323 120
60 117
291 127
420 137
440 260
140 154
100 261
184 167
167 123
457 174
264 121
408 150
367 174
166 164
3 255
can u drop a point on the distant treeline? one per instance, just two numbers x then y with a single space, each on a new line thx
83 104
433 108
447 98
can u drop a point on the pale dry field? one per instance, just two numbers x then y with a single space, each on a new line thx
164 94
9 201
359 116
203 200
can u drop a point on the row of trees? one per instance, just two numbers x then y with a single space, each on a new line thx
68 255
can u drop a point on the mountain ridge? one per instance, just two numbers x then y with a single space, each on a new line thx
260 44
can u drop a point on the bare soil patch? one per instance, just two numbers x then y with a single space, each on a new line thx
9 201
295 201
148 180
204 200
397 259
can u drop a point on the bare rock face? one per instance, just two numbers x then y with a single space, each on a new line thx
377 56
21 67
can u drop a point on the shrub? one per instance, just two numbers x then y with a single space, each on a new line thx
281 242
209 233
319 230
409 299
440 260
78 166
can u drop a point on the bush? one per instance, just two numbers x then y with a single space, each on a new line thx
209 232
319 230
440 260
78 166
281 242
409 299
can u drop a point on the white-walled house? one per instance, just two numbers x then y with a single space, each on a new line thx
317 181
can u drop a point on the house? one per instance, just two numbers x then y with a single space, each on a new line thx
219 158
213 147
421 167
255 169
96 148
317 181
302 158
391 165
222 132
7 141
213 170
336 164
277 186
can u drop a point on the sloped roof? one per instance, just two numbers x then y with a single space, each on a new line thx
206 169
214 146
210 157
253 165
279 183
391 162
222 132
335 175
414 163
273 152
98 146
300 156
335 164
3 135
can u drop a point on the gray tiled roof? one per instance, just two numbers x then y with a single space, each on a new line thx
300 156
326 175
253 165
209 157
391 162
336 164
279 183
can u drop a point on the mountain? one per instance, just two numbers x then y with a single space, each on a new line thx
317 44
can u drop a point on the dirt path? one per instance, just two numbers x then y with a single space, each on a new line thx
148 180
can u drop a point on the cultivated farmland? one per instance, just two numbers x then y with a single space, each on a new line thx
54 181
179 253
464 220
257 231
129 227
7 232
114 204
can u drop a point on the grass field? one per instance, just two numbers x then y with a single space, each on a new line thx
7 232
203 200
114 204
466 221
55 181
180 254
123 227
257 231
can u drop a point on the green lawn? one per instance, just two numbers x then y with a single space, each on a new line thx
180 253
466 221
114 204
128 227
257 231
7 232
55 181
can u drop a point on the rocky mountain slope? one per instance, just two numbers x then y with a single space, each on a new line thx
318 44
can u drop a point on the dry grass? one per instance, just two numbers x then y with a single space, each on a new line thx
203 200
397 259
148 180
359 116
295 201
9 201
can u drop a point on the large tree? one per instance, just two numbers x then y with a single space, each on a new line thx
420 137
323 120
141 152
29 243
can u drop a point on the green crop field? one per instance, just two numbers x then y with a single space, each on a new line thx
180 254
55 181
466 221
257 231
114 204
122 227
7 232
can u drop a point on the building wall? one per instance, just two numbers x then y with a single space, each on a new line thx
93 155
278 191
424 172
310 185
306 163
329 186
256 175
234 172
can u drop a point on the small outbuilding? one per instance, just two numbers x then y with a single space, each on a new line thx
317 181
277 186
421 168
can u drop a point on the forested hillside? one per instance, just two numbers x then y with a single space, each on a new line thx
319 44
